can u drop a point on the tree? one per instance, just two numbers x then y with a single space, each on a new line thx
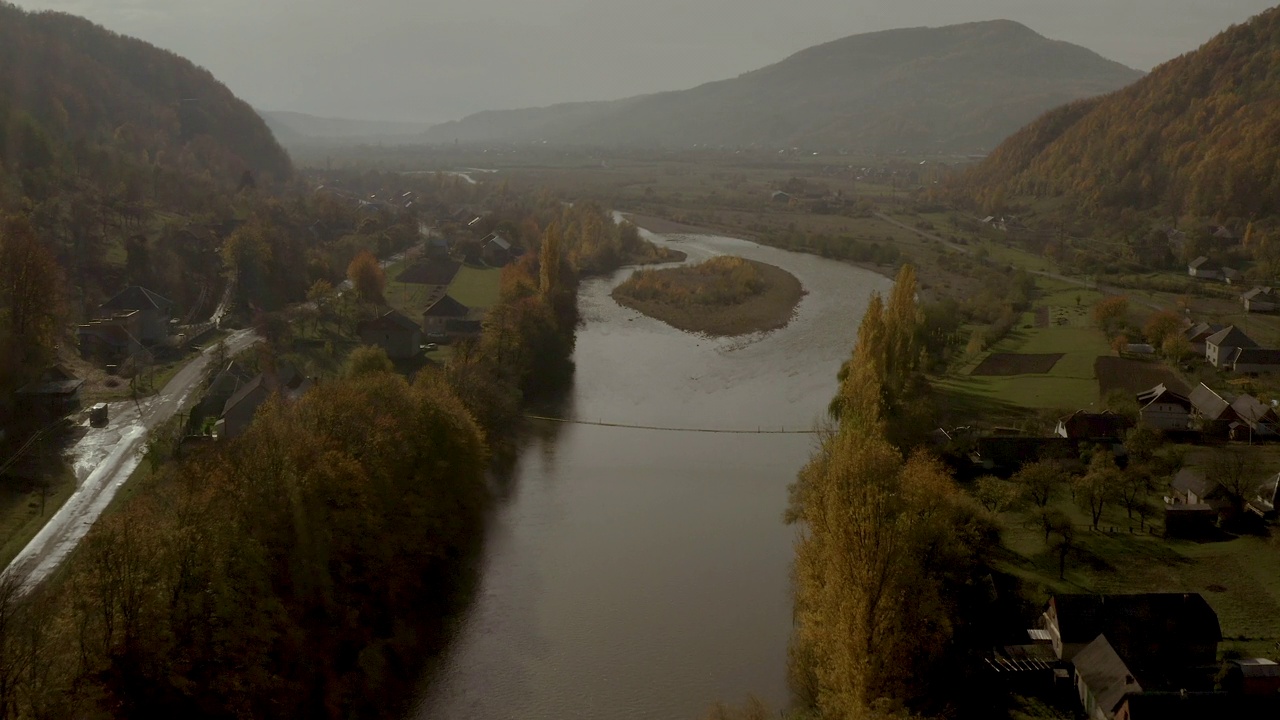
996 495
1065 544
367 277
368 360
1161 326
1176 348
1134 488
1040 481
1110 311
30 297
1236 470
1098 486
1142 442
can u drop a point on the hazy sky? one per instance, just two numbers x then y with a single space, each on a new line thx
441 59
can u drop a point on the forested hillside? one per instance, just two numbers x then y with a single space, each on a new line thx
1198 136
963 87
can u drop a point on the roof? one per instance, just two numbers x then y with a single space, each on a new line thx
254 391
1194 481
391 320
498 240
1250 409
1257 667
1230 273
1265 498
1163 394
1256 292
1087 425
55 381
1140 349
1200 262
1231 336
1255 356
136 297
1105 674
1209 403
447 307
1081 618
1200 331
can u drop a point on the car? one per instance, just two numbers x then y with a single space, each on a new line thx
98 415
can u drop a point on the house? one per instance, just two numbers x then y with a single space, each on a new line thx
496 250
435 321
55 394
1164 409
1198 333
780 197
437 246
1263 502
1259 299
1149 630
1093 427
240 408
111 339
1102 680
1204 269
1231 276
1139 349
1255 419
393 332
1253 676
1210 412
1219 346
154 312
1251 361
1190 486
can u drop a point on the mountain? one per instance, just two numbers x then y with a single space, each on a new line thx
963 87
78 101
296 127
1196 136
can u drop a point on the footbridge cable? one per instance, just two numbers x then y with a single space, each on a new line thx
718 431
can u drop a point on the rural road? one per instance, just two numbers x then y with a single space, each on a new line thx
1104 289
123 442
104 458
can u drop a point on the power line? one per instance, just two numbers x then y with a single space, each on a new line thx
719 431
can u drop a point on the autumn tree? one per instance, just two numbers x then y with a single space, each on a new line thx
1110 311
1162 326
30 298
367 277
368 360
1176 348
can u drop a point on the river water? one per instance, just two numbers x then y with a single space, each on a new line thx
644 574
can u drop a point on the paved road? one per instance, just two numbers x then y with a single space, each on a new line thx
120 447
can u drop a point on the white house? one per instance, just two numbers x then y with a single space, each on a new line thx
1220 347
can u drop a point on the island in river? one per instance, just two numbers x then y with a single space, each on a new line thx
723 296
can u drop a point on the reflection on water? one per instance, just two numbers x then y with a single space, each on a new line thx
643 574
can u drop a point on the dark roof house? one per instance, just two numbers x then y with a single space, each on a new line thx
136 297
1102 679
1147 629
1209 405
1083 425
54 394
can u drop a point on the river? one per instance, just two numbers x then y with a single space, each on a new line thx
645 574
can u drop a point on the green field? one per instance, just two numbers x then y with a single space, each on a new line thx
1070 384
476 287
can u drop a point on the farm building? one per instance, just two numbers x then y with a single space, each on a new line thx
1251 361
1210 412
1164 409
1204 269
1259 299
54 394
1263 503
393 332
1102 680
1198 333
1256 419
1148 629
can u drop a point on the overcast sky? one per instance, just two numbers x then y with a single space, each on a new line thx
435 60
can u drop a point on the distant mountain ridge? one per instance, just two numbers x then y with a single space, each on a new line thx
291 126
79 100
1199 135
962 87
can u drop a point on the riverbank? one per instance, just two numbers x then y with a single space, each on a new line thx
724 296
